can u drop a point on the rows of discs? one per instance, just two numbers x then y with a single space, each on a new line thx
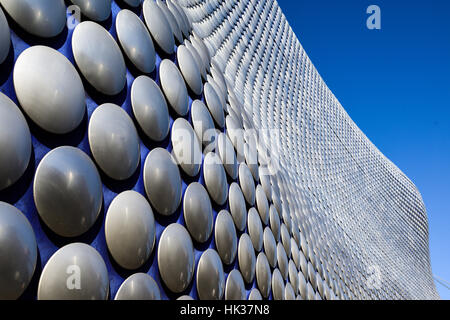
173 146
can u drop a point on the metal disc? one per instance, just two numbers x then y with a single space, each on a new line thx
282 260
150 108
189 70
237 206
235 287
262 204
135 40
255 229
225 237
263 275
18 252
246 258
274 222
74 272
293 275
186 147
114 141
162 181
159 26
99 58
41 18
49 89
198 213
227 155
15 142
172 21
139 286
173 86
270 247
215 178
130 229
285 239
277 285
289 292
176 258
203 123
254 295
210 276
67 191
214 105
247 183
5 37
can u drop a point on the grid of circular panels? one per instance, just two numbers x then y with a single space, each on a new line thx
257 77
357 211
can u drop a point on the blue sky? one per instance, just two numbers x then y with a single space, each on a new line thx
395 84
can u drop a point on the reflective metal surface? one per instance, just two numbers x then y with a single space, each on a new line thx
202 122
18 252
235 287
74 272
99 58
277 285
135 40
247 183
198 214
176 258
225 237
186 147
15 142
262 204
97 10
130 229
246 258
41 18
289 292
114 141
172 21
139 286
282 260
270 247
41 72
215 178
162 181
285 239
150 108
263 275
302 286
226 153
159 26
173 86
274 222
189 70
254 295
237 206
293 276
5 41
67 191
210 276
255 229
214 104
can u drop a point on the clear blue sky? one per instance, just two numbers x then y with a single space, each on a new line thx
395 84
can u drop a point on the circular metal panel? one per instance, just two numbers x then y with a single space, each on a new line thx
215 178
225 237
247 183
289 292
99 58
114 141
139 286
293 275
286 240
18 252
74 272
203 123
186 147
130 229
49 89
235 287
135 40
214 104
162 181
159 26
262 204
246 257
189 70
277 285
173 86
97 10
198 212
270 247
150 108
254 295
67 191
255 229
227 155
210 276
237 206
274 222
263 275
172 21
15 142
176 258
282 260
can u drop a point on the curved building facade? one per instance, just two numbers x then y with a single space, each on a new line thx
189 149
